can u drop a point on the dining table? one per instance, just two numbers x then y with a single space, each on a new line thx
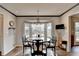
38 41
38 38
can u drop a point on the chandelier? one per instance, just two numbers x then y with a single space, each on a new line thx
38 21
38 27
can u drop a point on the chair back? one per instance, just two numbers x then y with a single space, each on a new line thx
24 40
52 44
53 41
34 46
37 47
37 44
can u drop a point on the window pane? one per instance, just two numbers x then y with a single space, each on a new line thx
26 30
37 29
49 29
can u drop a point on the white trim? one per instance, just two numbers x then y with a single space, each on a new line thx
19 45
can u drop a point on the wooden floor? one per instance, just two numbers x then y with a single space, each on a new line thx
75 52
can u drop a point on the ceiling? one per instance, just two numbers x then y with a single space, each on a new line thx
31 8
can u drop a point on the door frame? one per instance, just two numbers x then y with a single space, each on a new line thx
73 21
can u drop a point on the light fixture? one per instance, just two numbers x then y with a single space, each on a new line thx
38 17
11 24
38 28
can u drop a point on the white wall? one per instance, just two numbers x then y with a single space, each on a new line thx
65 20
20 21
8 38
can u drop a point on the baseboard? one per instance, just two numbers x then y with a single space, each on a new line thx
18 45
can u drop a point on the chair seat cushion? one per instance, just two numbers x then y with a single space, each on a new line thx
51 44
44 51
25 43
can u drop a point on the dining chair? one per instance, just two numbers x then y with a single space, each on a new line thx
37 48
52 45
26 44
45 48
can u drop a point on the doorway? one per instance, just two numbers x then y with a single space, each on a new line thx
76 33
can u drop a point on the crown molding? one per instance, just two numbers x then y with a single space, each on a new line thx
38 16
70 9
7 10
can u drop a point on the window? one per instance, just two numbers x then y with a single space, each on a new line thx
26 29
37 29
49 28
34 29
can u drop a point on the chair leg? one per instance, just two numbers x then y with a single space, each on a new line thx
54 51
46 51
30 51
23 50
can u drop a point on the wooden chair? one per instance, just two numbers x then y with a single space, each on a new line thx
37 48
26 43
52 45
45 48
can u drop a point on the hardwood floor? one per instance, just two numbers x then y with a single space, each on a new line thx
18 52
15 51
75 52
